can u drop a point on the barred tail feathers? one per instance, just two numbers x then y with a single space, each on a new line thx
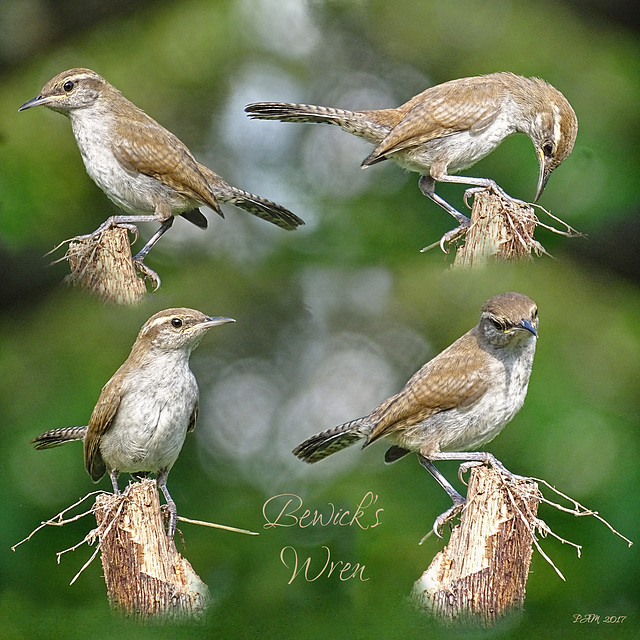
263 208
293 112
370 125
56 437
221 192
327 442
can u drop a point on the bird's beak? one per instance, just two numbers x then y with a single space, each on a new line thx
36 102
525 324
214 321
545 172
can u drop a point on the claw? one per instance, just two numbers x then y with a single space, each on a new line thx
471 192
443 518
148 273
452 235
465 466
103 227
499 191
448 237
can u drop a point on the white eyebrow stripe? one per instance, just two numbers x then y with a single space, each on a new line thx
556 123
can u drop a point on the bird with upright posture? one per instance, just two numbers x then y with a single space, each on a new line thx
458 401
145 411
143 168
451 126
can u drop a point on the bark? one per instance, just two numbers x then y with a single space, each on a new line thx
145 575
103 266
501 230
481 574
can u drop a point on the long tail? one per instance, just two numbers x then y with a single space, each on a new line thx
261 207
324 444
223 192
56 437
370 125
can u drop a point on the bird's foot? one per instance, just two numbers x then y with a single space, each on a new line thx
494 462
95 235
170 509
449 514
449 237
465 466
499 191
147 272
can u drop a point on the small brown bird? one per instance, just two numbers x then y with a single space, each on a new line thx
451 126
145 411
143 168
458 401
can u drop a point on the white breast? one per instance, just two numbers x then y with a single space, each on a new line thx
132 191
460 150
150 426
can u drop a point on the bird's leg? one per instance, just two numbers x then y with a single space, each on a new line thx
142 254
164 227
473 459
113 474
161 481
128 222
457 499
427 185
478 184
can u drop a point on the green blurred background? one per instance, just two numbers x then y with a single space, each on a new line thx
331 319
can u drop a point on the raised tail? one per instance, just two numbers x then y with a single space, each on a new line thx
324 444
370 125
56 437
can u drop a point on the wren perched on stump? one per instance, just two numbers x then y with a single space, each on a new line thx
146 409
143 168
450 126
457 402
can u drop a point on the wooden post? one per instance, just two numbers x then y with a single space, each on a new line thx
501 230
103 266
481 574
145 575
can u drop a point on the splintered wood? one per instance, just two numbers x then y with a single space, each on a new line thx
145 575
481 574
103 266
501 230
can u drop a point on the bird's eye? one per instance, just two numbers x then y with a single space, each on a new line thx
68 85
499 326
547 149
176 322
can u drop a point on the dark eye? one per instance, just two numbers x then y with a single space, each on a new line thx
547 149
176 322
67 86
499 326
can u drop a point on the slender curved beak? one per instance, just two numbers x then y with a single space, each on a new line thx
545 172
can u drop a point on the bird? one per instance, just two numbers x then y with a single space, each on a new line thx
141 166
450 126
146 409
456 403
